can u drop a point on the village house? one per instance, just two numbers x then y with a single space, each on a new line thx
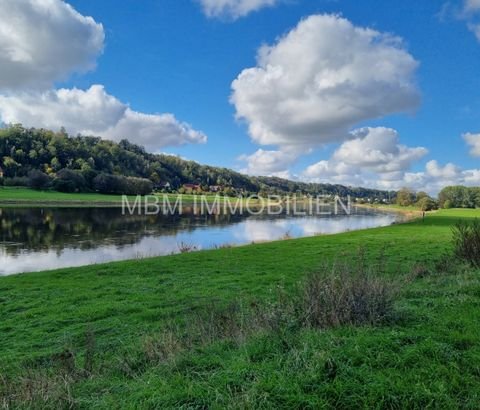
192 187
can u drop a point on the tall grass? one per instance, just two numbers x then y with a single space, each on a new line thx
346 295
466 241
338 294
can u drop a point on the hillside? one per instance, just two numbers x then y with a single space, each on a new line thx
23 150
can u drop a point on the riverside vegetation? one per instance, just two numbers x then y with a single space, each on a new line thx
382 318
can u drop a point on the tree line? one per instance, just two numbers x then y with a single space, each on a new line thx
449 197
45 159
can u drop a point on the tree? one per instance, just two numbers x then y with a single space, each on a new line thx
38 180
421 194
427 204
10 167
457 197
405 197
69 181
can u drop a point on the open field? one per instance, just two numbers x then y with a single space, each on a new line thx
79 337
31 197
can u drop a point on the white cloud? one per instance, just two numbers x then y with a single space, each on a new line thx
448 172
435 177
378 149
371 154
473 140
95 112
42 41
373 157
432 179
320 80
234 8
269 163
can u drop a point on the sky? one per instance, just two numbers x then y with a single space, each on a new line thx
375 93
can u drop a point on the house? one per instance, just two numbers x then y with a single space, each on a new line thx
215 188
1 172
192 187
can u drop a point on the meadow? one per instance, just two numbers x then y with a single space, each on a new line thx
31 197
114 335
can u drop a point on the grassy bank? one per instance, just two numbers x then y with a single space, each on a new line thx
10 196
83 337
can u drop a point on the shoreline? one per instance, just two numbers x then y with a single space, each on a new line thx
218 247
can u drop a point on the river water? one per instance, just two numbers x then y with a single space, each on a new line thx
36 239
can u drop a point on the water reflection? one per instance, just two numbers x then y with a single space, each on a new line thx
33 239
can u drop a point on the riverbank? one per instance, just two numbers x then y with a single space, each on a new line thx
20 196
104 317
409 211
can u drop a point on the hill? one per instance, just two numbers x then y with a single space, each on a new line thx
25 150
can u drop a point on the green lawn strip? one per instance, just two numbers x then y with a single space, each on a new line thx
10 196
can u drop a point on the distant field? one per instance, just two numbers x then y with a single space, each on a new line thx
10 195
427 357
26 194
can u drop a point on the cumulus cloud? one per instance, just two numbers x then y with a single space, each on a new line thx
370 149
378 149
435 177
269 163
95 112
432 179
473 140
320 80
372 157
234 8
42 41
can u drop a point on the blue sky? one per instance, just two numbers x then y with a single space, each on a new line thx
170 56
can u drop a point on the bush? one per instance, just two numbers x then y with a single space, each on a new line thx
427 204
448 204
466 241
117 184
338 295
69 181
346 295
109 184
139 186
16 181
38 180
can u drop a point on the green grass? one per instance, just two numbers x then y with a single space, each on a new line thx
428 357
27 196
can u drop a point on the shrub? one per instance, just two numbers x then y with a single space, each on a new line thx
38 180
16 181
109 184
427 204
69 181
139 186
339 294
466 241
117 184
448 204
346 295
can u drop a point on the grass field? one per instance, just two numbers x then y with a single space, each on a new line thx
27 196
57 324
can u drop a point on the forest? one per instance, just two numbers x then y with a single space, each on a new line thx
43 159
